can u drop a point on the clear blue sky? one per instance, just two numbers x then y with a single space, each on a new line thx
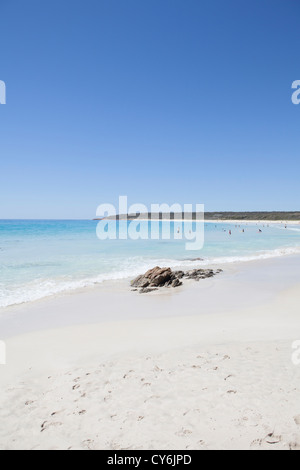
183 101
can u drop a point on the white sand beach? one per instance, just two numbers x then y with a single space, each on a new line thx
205 366
149 227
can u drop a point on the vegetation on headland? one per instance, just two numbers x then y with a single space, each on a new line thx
288 216
246 216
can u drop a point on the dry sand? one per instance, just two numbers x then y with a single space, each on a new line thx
206 367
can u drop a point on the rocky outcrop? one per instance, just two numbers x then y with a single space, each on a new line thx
154 278
164 277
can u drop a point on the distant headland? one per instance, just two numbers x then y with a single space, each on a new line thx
215 216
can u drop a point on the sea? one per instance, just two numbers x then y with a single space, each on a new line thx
41 258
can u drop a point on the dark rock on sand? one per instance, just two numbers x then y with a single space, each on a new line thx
176 283
198 274
156 277
146 290
179 274
165 277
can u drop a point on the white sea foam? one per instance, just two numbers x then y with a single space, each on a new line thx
38 290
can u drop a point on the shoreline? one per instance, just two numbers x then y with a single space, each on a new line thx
205 367
112 293
188 263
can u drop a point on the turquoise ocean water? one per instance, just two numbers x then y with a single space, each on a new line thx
42 258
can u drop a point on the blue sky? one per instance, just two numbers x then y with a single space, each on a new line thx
184 101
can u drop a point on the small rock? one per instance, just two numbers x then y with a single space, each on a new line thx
176 283
146 290
165 277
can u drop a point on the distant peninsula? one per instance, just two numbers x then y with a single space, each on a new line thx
215 216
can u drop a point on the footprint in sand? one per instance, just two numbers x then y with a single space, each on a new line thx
250 418
88 443
47 425
270 440
228 377
226 358
29 403
183 432
57 412
295 445
297 420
